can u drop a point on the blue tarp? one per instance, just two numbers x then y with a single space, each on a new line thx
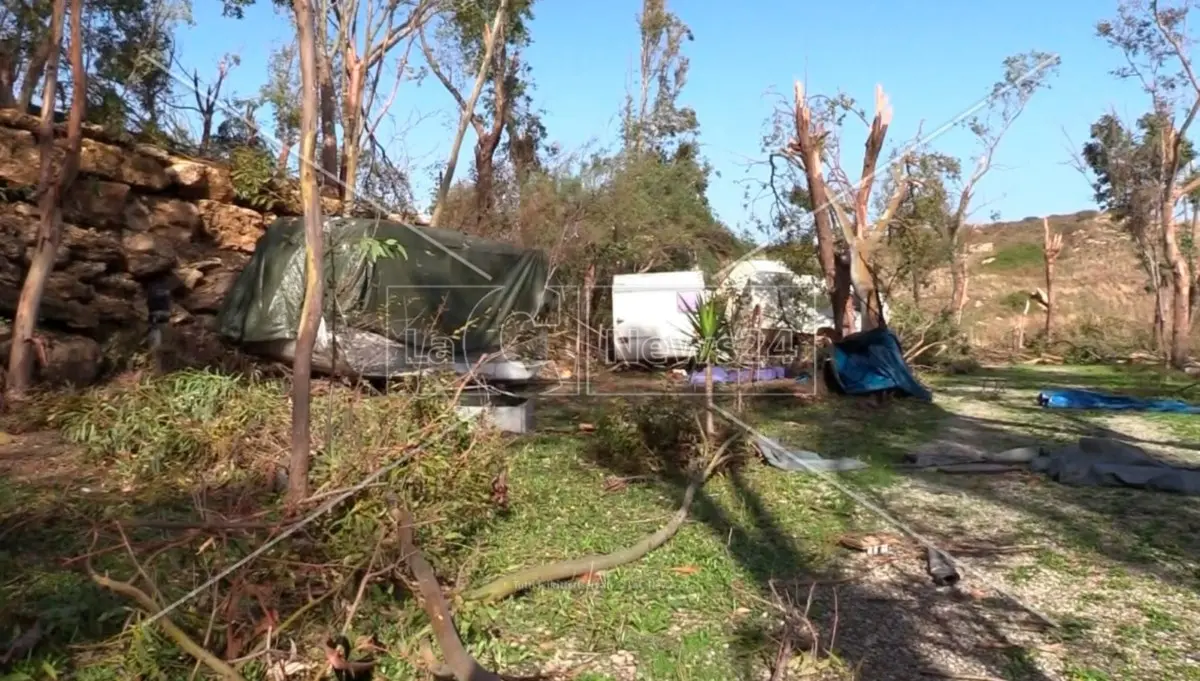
872 361
1071 398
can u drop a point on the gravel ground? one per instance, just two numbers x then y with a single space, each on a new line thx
1116 568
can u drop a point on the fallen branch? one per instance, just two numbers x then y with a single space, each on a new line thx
530 577
217 665
957 677
459 662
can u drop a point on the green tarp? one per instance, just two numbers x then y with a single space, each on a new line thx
396 296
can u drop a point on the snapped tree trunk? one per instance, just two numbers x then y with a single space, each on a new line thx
310 314
51 187
806 147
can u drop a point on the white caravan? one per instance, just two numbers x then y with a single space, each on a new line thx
787 301
650 315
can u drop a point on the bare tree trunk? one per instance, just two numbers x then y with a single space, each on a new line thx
1194 221
310 315
485 147
50 189
485 172
352 131
206 123
329 146
959 277
34 73
806 148
1160 320
842 299
1051 247
585 299
285 154
1020 344
468 112
8 77
1180 284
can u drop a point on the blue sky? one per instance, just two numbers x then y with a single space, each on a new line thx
934 59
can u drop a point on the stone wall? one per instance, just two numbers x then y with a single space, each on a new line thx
136 214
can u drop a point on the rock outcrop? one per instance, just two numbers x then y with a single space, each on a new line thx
136 214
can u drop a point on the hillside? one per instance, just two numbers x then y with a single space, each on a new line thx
1099 283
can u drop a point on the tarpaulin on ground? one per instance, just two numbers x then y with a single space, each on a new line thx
1103 462
397 297
802 460
1071 398
871 362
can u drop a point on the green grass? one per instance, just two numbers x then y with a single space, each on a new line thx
693 609
1019 256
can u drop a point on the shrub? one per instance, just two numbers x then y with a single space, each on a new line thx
640 437
662 436
202 427
934 339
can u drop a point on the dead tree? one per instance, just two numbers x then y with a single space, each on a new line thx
493 35
208 96
851 271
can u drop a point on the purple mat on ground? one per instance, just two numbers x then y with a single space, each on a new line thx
723 375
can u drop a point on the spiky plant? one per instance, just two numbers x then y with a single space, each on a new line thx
712 339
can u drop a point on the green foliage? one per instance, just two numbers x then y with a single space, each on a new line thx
638 437
252 171
712 333
191 420
381 249
282 93
202 425
1016 257
1128 164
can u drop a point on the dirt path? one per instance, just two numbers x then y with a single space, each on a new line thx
1118 568
41 459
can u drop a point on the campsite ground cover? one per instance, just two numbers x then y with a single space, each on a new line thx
1118 569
